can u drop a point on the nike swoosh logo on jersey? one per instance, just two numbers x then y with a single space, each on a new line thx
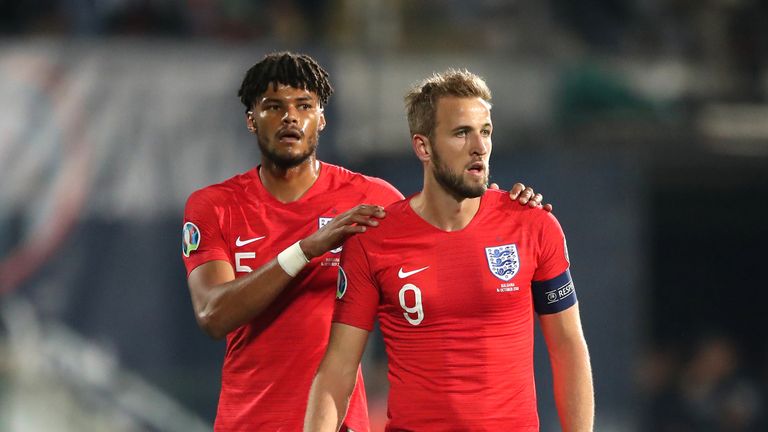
402 275
241 243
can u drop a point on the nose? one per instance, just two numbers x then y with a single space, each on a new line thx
290 115
479 144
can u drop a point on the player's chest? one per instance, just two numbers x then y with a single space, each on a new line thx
458 275
256 233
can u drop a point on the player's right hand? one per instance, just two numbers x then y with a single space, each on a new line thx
332 235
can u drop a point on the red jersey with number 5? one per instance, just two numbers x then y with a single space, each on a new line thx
456 311
270 361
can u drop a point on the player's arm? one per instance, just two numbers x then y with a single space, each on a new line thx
223 303
525 196
571 369
335 379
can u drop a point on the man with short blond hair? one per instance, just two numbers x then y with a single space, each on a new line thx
454 274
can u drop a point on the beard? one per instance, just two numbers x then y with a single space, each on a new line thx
454 182
286 161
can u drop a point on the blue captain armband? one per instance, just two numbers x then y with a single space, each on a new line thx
554 295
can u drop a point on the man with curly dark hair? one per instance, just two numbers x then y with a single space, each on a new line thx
262 248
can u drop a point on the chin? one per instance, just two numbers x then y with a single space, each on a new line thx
290 162
288 158
476 189
478 193
473 191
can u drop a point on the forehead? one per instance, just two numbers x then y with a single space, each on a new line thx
453 110
286 92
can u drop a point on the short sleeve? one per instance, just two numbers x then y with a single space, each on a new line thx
381 192
357 295
202 239
552 287
553 253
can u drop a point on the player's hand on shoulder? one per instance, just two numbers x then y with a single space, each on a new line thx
525 196
332 235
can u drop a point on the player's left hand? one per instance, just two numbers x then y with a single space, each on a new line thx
525 196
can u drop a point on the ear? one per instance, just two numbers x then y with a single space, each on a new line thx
422 147
250 122
321 125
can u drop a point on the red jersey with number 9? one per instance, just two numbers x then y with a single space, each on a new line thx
456 311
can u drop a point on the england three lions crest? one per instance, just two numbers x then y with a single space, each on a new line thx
323 221
503 261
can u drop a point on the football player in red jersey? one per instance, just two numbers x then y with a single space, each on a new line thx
261 250
454 274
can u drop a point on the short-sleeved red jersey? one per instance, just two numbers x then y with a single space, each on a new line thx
456 312
270 362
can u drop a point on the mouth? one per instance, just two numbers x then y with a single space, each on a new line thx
476 169
289 135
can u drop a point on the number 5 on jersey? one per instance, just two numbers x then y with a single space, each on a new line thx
416 308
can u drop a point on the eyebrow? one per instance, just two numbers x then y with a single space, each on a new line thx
305 98
467 127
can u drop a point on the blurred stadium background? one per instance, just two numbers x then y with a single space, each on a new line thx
645 122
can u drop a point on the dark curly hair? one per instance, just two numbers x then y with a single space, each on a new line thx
291 69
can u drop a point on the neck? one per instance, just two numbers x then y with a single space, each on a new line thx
442 209
289 184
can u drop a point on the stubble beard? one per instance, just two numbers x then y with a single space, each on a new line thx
286 161
454 183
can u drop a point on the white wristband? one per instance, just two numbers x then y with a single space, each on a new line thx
292 259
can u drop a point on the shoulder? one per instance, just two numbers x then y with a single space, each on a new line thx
498 201
399 216
339 173
399 208
372 186
218 193
395 224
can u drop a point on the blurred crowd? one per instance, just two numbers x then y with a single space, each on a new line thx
673 26
704 386
727 37
228 19
712 383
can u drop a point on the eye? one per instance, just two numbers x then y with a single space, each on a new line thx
486 132
460 134
272 107
305 106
